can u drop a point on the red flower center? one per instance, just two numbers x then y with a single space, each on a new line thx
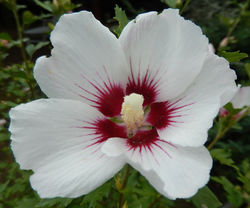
109 102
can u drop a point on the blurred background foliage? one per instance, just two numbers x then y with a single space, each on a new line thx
25 26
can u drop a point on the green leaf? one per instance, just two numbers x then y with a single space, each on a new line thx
3 188
170 3
10 4
5 36
4 137
235 56
21 6
247 68
31 48
47 5
28 18
17 42
205 198
27 202
92 198
223 156
245 164
122 19
226 20
231 109
234 196
56 202
245 177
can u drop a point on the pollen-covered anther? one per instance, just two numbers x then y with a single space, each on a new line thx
132 111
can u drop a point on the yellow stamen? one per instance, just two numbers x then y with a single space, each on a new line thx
132 111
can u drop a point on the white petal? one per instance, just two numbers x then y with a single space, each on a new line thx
241 98
114 147
86 56
200 103
169 48
55 138
211 48
176 172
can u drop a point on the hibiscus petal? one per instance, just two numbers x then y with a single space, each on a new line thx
241 98
192 113
57 140
175 171
114 146
166 49
87 62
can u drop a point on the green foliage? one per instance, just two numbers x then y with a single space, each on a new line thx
233 195
58 202
47 5
247 68
231 109
57 7
233 56
225 20
32 48
28 18
9 4
122 19
170 3
245 177
223 156
5 36
205 198
93 199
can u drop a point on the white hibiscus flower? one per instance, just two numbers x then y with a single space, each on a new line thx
146 99
241 98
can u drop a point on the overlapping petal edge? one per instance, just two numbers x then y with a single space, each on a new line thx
71 138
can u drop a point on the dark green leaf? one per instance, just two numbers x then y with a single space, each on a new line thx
226 20
5 36
47 5
234 196
28 18
27 202
223 156
205 198
170 3
122 19
3 188
20 6
97 195
233 56
4 137
245 164
10 4
56 202
245 177
231 109
247 68
17 42
31 48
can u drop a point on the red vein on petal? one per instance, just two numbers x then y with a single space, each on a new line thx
145 84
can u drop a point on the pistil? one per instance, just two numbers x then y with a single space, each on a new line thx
132 111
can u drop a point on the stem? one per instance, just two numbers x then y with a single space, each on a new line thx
20 35
219 135
123 185
185 6
221 132
23 53
238 19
